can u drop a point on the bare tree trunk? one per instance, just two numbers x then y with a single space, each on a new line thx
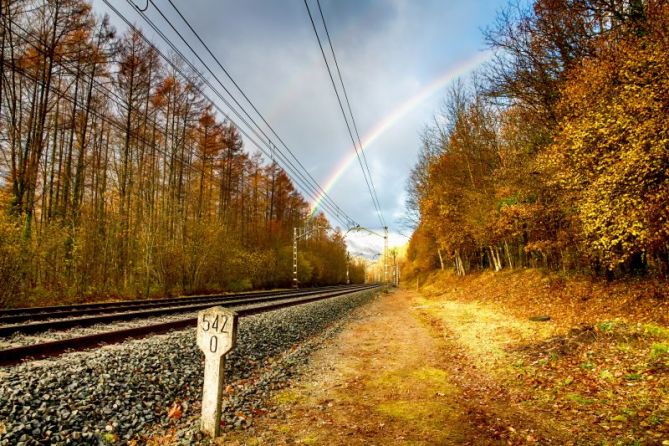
459 266
441 259
507 251
496 258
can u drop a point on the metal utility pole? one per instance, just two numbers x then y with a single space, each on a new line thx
385 254
395 267
348 259
296 237
295 285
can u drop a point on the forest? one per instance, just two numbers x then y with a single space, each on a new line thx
119 179
555 154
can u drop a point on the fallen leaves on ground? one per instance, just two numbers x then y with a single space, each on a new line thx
598 370
175 412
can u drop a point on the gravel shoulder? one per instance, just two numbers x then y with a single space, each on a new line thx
124 393
385 379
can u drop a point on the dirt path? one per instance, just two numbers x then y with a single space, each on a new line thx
462 365
384 380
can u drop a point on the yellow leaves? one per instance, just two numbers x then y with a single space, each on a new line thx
600 176
611 149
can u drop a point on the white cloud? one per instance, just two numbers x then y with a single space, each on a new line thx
387 50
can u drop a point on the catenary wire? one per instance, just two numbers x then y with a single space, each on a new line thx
350 111
255 109
205 95
341 107
333 209
109 93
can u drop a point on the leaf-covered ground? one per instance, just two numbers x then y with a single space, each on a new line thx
507 358
596 372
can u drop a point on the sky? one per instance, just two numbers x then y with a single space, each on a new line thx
397 58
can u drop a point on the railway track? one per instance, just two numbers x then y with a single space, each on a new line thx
246 304
68 318
14 315
125 389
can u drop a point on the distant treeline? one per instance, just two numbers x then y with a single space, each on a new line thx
118 178
556 154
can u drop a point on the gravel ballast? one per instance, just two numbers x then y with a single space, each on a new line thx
123 392
21 339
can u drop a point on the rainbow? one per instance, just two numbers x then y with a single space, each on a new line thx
398 113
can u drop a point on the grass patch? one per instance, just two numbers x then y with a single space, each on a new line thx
606 375
624 347
604 348
431 375
287 396
431 420
587 365
485 332
421 412
425 380
658 350
580 399
656 331
606 326
310 439
634 377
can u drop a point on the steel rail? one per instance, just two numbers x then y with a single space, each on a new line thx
100 305
16 355
73 311
87 321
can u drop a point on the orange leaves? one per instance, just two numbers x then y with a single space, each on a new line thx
176 411
164 89
586 188
210 136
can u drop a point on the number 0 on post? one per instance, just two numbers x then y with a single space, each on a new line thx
216 336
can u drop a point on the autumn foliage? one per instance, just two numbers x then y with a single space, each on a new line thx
557 154
118 178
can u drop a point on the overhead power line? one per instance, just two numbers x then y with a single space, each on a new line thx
300 167
365 172
350 111
205 81
298 177
76 103
322 192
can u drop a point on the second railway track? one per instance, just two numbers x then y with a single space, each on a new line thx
67 317
13 315
243 306
124 390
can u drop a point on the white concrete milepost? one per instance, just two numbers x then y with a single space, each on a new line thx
216 336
